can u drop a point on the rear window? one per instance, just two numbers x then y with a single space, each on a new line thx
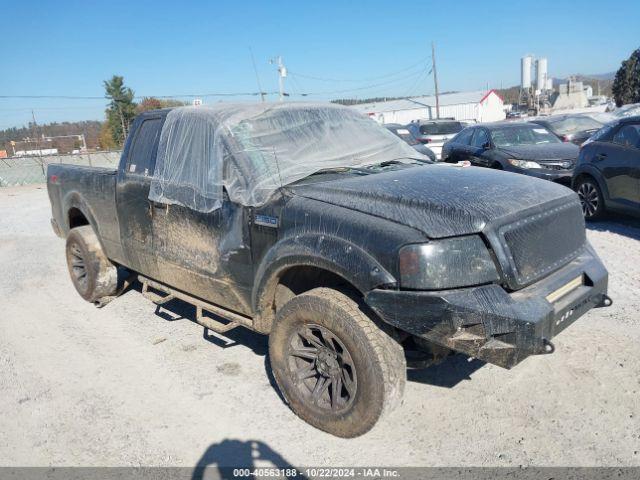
603 135
571 125
464 136
628 136
440 128
142 153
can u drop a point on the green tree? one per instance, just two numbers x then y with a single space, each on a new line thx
153 103
626 86
121 109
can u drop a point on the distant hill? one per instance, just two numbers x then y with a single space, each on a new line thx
600 76
603 81
90 129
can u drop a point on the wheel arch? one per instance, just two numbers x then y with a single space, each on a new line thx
77 213
310 261
593 174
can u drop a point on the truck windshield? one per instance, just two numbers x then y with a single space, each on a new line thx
269 145
522 135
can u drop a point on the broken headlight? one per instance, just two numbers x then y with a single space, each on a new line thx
450 263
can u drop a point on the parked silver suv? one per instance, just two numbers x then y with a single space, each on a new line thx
434 133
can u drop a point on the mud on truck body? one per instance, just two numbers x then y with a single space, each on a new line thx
315 226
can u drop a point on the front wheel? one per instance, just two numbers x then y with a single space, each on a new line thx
337 369
590 199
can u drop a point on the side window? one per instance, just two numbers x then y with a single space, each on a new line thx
464 137
480 138
142 153
628 136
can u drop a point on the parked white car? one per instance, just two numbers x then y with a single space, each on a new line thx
434 133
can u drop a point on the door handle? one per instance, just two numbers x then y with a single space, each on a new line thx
600 156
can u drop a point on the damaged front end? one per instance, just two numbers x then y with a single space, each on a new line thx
549 277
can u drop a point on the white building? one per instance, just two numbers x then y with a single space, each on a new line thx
480 106
33 153
571 95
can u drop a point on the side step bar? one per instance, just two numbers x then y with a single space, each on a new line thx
234 319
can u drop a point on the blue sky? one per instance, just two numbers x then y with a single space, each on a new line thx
171 48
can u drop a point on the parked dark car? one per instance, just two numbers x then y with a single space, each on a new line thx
607 176
434 132
313 225
515 147
570 128
516 115
404 133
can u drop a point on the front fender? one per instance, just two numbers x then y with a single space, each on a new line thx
330 253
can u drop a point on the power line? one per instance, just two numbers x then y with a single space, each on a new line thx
362 80
186 95
414 86
252 94
367 87
255 69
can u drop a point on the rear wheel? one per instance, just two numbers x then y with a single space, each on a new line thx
92 274
337 369
590 198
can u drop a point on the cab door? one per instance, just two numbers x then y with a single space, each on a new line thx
204 253
132 191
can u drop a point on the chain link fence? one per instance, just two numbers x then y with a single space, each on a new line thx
28 170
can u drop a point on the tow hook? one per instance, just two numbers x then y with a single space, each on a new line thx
548 347
605 301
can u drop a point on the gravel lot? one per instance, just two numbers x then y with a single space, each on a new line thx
129 385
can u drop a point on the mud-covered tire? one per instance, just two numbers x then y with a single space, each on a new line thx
91 272
379 367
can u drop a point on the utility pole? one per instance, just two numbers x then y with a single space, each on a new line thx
34 132
282 73
435 77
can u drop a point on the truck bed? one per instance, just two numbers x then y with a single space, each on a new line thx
92 190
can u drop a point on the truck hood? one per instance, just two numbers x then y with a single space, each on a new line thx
439 200
550 151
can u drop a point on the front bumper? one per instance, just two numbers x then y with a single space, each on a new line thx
492 324
559 176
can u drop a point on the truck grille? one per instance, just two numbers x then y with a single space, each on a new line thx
542 243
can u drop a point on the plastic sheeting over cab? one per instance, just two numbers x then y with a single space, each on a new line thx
251 150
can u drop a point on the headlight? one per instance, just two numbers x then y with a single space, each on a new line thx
524 163
449 263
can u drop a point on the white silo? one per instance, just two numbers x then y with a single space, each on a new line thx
549 85
525 71
541 73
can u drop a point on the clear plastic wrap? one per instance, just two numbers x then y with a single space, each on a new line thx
253 149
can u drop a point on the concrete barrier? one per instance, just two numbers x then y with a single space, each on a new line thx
28 170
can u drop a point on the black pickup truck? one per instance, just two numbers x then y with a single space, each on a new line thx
315 226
